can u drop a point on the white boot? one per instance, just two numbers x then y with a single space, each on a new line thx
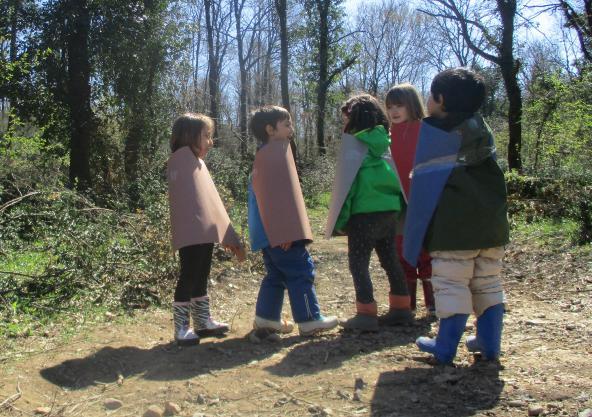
279 326
203 324
310 328
184 335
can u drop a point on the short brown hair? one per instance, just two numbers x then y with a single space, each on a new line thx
406 95
187 130
264 116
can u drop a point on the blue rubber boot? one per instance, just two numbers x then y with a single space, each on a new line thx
489 333
444 346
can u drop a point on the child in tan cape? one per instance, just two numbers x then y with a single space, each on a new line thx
198 220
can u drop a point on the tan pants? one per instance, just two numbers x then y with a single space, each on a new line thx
467 281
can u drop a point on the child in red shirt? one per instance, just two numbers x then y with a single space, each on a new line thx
405 110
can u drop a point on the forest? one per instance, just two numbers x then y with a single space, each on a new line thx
89 89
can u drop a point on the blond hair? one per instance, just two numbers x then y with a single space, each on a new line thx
406 95
187 131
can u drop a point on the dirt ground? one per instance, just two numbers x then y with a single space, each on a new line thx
545 368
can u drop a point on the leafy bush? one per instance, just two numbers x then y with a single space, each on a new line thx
94 255
316 177
537 198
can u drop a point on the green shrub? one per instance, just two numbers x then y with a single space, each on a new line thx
536 198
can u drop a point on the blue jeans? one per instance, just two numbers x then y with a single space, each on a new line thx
293 270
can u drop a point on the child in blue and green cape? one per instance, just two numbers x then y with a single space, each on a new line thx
458 212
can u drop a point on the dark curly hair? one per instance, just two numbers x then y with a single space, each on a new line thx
364 112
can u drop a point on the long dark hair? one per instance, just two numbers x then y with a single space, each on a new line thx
364 112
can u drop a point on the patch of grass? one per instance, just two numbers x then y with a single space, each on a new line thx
556 233
320 210
30 262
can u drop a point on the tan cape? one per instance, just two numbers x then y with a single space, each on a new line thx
196 210
351 155
279 196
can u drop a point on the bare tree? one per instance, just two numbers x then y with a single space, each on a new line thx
245 42
393 39
498 49
218 22
281 7
448 47
581 22
323 17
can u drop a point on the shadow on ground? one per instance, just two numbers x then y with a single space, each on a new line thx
331 351
437 391
163 362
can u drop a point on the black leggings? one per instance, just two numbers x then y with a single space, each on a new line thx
369 231
196 261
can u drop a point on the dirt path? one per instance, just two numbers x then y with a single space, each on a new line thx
547 357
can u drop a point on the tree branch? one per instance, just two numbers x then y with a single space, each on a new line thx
463 21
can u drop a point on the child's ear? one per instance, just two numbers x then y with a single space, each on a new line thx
269 129
440 101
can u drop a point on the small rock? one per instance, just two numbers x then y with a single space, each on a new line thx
270 384
42 411
153 411
344 395
214 401
282 401
327 412
535 410
570 327
199 415
585 413
171 409
201 399
516 403
112 404
357 395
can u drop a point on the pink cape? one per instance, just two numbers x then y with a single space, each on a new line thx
279 196
196 210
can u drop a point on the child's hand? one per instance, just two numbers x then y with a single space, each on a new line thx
285 245
238 251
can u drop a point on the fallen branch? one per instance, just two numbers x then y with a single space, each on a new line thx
18 199
20 274
7 403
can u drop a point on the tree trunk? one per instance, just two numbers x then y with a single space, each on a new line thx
213 72
282 11
242 122
509 68
14 13
323 10
281 8
79 93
